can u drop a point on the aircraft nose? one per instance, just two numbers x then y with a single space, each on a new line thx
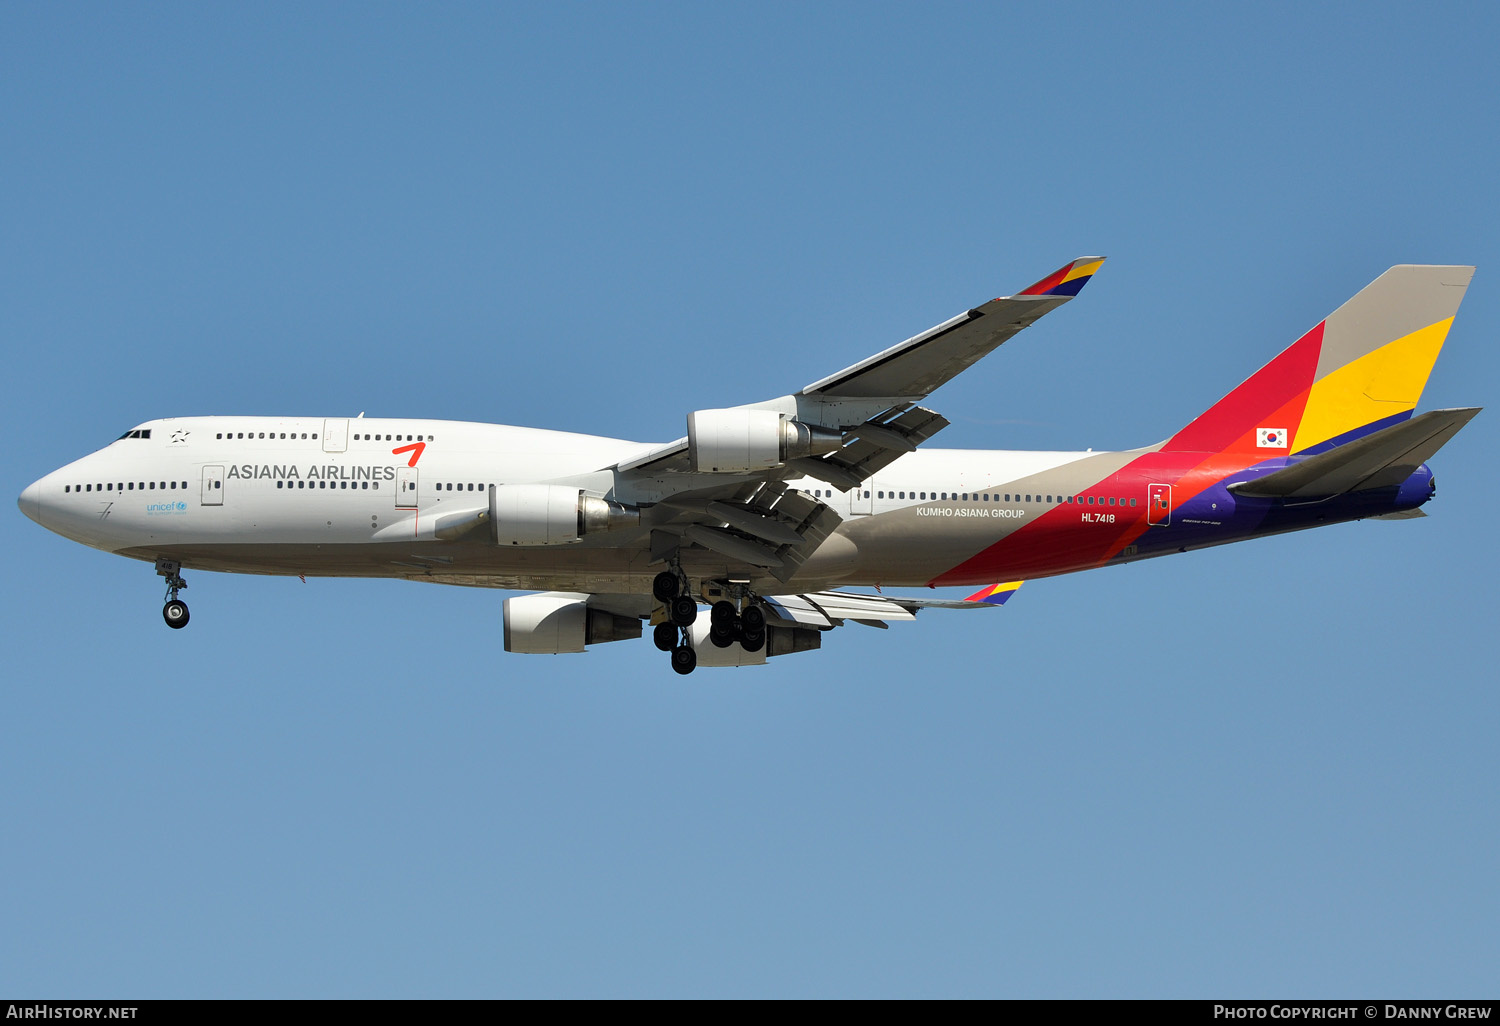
31 501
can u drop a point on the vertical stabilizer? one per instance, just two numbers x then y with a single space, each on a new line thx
1360 369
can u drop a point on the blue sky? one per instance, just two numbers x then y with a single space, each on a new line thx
1264 770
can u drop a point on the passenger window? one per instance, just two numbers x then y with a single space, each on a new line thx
279 484
218 484
1132 503
219 435
365 485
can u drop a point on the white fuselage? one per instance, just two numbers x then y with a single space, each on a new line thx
364 497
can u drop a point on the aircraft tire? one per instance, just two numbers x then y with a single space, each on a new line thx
176 614
665 586
722 612
684 610
754 620
664 636
721 635
753 642
684 659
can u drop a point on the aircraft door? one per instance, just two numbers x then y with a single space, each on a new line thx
335 435
406 487
860 501
1159 505
213 486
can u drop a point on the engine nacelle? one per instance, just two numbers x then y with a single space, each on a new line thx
779 641
745 441
552 514
550 624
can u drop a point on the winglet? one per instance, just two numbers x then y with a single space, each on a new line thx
995 594
1067 280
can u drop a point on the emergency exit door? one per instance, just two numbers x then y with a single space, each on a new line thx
213 486
1159 505
406 487
336 435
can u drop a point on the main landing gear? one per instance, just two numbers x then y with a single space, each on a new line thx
175 612
673 634
728 623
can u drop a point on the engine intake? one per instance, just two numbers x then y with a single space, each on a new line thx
552 514
745 441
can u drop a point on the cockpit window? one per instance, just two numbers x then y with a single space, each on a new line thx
137 433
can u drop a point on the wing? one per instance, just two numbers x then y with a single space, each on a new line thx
915 368
861 420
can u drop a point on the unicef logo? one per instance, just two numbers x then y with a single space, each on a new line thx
171 508
181 506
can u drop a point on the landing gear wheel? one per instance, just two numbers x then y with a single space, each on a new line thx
684 659
754 620
722 635
176 614
722 612
684 610
753 642
665 586
664 636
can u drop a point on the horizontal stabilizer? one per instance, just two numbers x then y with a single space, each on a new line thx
1380 460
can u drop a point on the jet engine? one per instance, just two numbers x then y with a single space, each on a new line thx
745 441
552 623
552 514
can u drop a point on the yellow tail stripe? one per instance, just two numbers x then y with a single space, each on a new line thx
1379 384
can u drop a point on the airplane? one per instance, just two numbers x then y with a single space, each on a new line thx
766 513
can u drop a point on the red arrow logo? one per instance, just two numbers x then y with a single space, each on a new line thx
416 449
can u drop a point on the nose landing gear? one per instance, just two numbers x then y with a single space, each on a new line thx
175 612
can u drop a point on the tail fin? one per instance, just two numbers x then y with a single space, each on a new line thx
1362 368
